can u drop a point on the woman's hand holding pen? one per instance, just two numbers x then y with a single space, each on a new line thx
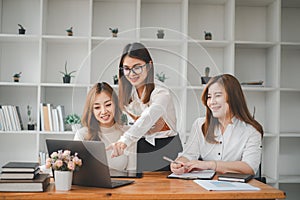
117 149
177 166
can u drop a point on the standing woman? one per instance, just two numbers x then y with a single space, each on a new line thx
228 139
101 121
148 103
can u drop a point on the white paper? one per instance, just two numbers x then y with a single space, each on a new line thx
224 185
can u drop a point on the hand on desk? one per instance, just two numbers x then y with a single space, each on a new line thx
180 167
117 149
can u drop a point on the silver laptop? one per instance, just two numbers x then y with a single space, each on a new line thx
94 171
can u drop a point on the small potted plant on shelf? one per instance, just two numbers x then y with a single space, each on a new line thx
115 79
30 125
207 35
70 31
114 31
74 121
63 163
22 30
161 76
67 75
17 76
160 33
206 78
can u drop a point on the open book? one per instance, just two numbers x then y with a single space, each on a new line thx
200 174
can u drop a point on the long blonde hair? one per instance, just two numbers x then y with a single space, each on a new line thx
88 118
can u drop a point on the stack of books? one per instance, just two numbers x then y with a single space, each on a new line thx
23 177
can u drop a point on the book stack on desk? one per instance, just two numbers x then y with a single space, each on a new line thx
23 177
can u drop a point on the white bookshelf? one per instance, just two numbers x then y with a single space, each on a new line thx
252 39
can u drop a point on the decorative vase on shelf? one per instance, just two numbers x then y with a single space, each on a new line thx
207 35
22 30
63 180
160 34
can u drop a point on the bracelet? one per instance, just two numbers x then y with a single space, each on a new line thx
215 165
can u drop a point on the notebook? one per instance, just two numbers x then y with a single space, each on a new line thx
94 171
201 174
235 177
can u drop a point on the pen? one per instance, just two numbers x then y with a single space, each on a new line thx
170 160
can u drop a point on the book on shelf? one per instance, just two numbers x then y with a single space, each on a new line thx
2 120
20 167
19 175
61 117
19 117
46 118
7 118
243 178
50 107
38 184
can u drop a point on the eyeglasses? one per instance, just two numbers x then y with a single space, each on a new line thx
136 70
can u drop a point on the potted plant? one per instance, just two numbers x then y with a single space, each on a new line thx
70 31
22 30
114 31
63 164
30 125
67 75
205 79
160 33
161 76
17 76
74 121
207 35
115 79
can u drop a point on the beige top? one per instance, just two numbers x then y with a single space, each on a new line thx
126 161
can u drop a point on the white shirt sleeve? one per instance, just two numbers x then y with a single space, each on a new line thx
192 148
159 101
252 151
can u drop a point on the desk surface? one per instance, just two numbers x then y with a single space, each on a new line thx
154 185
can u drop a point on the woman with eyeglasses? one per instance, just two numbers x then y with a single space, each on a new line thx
147 102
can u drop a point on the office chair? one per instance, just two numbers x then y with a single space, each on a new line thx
259 176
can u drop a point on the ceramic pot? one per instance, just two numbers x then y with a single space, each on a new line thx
22 31
75 127
63 180
67 79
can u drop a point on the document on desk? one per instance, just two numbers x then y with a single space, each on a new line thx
224 185
200 174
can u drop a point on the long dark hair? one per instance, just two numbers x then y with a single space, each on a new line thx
88 118
138 51
237 105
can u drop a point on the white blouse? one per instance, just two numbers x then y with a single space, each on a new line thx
160 105
240 142
108 136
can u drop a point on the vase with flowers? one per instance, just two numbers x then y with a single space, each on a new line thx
63 164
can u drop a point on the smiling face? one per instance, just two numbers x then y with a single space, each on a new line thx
136 79
217 102
104 109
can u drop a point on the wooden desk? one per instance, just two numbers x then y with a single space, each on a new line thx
154 185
